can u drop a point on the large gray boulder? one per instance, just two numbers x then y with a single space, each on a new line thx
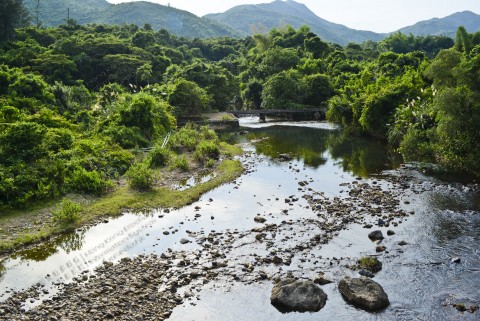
376 235
363 293
302 296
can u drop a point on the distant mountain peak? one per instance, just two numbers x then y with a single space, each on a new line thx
446 26
280 12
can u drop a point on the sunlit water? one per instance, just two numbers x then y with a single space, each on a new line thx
419 281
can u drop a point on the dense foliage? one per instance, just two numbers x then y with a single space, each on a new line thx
77 102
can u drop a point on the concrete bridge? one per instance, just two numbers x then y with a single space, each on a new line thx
314 113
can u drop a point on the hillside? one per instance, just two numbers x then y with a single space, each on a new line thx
445 26
279 13
239 21
54 12
178 22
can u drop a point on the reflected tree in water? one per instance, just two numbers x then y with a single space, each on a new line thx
361 156
299 142
68 242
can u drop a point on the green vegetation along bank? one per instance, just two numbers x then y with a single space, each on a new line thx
92 110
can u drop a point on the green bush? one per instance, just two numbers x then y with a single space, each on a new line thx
22 141
89 182
127 137
103 156
68 214
206 150
416 145
140 177
207 133
210 163
159 156
181 162
186 138
370 263
189 136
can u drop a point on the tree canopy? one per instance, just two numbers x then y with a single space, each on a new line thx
85 96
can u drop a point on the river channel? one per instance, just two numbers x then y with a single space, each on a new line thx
289 166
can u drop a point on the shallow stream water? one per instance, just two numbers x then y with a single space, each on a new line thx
420 278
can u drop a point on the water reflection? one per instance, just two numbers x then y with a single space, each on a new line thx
360 155
187 183
285 140
68 242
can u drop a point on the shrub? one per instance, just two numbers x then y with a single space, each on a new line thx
181 162
210 163
416 145
159 156
370 263
189 136
140 177
228 117
22 141
89 182
186 138
68 214
208 133
206 150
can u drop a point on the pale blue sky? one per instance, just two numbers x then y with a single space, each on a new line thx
373 15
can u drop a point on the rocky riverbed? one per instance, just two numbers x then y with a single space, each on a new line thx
284 237
149 287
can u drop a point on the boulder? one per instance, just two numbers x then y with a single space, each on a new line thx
376 235
260 219
302 296
321 279
363 293
285 157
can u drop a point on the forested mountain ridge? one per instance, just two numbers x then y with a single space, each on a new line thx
251 18
238 21
254 18
179 22
445 26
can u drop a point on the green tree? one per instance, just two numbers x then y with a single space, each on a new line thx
188 99
287 89
316 47
458 130
463 41
278 59
13 14
253 93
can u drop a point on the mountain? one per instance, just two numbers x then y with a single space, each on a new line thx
178 22
239 21
445 26
55 12
278 13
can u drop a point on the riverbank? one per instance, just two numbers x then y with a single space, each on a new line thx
218 258
21 228
133 288
152 286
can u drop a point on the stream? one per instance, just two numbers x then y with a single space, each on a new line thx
420 277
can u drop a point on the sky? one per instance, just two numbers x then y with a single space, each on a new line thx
372 15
